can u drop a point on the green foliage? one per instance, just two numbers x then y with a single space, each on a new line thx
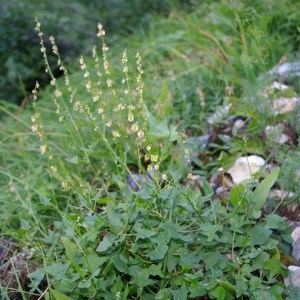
71 23
161 248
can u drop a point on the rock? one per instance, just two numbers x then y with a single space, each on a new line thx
278 195
283 105
294 276
286 69
296 252
296 234
244 167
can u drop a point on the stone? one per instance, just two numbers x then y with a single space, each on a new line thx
294 276
296 234
296 252
244 167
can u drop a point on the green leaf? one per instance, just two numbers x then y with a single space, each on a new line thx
180 294
159 252
93 262
274 221
73 254
210 230
176 175
162 129
210 259
104 245
85 283
259 235
228 287
36 277
155 270
262 191
142 279
120 263
58 295
189 259
219 292
237 193
57 270
274 264
258 262
173 229
114 217
172 258
144 233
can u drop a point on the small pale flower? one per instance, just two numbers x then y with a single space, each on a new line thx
100 111
124 57
187 151
105 48
64 184
108 124
115 134
34 128
58 93
164 177
53 169
43 149
130 116
140 134
135 127
94 51
149 168
190 176
109 82
88 85
81 61
148 148
154 157
156 167
34 117
101 32
121 106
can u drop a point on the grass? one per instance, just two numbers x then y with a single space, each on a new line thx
98 170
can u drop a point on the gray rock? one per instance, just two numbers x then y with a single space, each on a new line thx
296 252
294 277
296 234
